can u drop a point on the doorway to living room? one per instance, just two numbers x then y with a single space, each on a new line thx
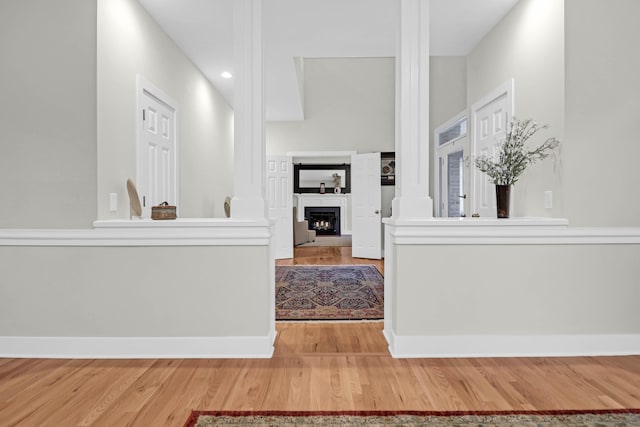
331 198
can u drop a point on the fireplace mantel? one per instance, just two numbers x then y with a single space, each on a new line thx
342 201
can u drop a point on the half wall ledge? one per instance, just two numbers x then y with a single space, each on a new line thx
481 222
512 231
139 289
521 287
179 232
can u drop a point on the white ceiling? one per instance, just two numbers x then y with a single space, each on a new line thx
314 29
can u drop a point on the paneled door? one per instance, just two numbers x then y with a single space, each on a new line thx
490 120
157 147
280 203
366 204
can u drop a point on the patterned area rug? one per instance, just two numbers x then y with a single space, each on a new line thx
333 292
595 418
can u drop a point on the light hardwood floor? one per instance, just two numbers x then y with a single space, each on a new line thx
327 256
316 366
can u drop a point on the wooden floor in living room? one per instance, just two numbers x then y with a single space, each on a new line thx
322 255
316 366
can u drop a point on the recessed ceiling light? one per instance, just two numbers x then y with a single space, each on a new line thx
226 75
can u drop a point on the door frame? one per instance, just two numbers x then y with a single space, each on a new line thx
145 86
505 89
461 142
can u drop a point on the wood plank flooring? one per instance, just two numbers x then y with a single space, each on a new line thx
316 366
327 256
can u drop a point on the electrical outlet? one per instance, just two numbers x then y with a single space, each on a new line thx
548 199
113 202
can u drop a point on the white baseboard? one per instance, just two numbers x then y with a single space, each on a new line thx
137 347
403 346
389 337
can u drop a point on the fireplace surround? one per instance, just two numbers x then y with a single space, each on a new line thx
342 201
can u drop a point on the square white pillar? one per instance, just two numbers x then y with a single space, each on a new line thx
412 112
249 112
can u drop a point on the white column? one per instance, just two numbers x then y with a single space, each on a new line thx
412 112
249 135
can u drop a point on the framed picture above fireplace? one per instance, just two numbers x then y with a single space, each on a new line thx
309 178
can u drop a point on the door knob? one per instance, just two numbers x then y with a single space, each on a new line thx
377 212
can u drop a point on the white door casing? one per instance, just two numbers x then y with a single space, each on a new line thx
280 203
157 141
490 117
366 204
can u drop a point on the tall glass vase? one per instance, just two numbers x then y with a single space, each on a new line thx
503 194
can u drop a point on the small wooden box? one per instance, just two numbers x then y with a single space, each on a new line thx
163 211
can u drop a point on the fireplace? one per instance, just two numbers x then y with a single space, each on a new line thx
324 220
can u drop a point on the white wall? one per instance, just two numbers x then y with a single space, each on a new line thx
349 104
48 113
133 291
130 43
448 88
602 147
138 293
528 45
527 288
518 290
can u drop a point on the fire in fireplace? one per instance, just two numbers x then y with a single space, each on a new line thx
324 220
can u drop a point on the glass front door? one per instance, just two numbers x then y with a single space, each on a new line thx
450 151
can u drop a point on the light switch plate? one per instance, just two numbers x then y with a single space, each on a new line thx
548 199
113 202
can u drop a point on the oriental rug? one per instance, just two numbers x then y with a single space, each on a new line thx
586 418
329 292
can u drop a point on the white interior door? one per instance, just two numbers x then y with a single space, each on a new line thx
157 148
366 204
490 118
280 202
